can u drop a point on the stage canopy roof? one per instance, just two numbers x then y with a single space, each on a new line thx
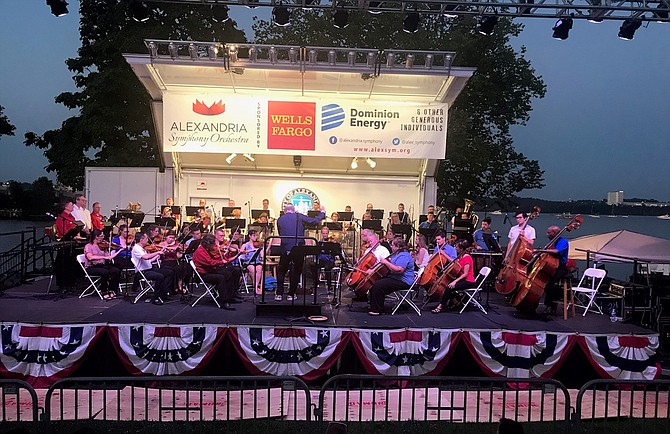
420 77
621 246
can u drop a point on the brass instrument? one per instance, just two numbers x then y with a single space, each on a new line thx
474 218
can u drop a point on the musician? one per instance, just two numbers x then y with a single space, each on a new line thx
169 202
335 217
214 269
479 235
528 232
122 259
348 209
430 222
96 265
65 266
400 276
402 215
81 213
291 224
147 263
421 254
367 215
96 217
369 237
386 242
65 221
267 210
465 280
442 244
369 208
560 249
430 208
252 257
172 255
193 242
326 261
228 252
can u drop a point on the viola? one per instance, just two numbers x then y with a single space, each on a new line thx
514 268
450 273
153 248
541 270
436 263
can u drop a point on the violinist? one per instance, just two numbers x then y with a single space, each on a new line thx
65 266
96 265
124 243
96 217
465 280
172 254
400 276
228 252
193 242
252 255
522 228
420 252
154 233
213 269
326 261
270 213
147 263
559 248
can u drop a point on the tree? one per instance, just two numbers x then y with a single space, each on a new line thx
6 127
114 126
481 160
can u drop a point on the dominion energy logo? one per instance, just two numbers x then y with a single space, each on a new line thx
302 199
332 116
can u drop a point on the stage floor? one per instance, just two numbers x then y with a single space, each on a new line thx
29 303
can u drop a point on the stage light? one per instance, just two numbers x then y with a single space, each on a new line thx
374 5
220 14
526 10
153 49
661 13
487 24
253 54
354 163
139 11
411 23
429 61
372 59
232 53
628 28
251 4
174 50
341 18
272 52
297 160
193 51
58 7
231 158
562 28
596 15
212 51
293 55
281 16
249 157
409 61
449 11
372 163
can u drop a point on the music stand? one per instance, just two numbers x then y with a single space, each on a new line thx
167 222
174 209
375 225
377 214
428 233
256 213
346 216
235 223
402 229
334 226
193 210
423 218
491 243
227 211
136 220
72 233
313 214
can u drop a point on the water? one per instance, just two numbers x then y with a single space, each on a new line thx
9 241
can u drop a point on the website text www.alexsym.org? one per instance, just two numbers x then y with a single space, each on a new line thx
376 150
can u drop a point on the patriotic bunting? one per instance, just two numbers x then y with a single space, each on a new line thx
306 353
623 357
518 355
405 352
41 355
166 350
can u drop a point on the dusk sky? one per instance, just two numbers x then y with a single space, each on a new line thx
603 125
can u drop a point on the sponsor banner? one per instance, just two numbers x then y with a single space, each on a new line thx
300 126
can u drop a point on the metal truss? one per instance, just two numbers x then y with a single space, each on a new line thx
594 10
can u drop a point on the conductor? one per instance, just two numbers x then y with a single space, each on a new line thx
291 225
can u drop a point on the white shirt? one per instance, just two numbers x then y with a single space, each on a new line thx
137 253
83 215
380 252
515 231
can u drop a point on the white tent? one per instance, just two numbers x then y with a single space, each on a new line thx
621 246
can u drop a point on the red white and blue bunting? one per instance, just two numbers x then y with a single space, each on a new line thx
406 352
156 350
306 353
518 355
41 355
623 357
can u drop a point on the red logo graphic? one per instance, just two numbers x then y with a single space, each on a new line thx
291 125
215 109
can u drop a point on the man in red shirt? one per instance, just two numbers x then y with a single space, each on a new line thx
214 269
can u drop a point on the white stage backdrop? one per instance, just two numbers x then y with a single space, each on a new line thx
324 127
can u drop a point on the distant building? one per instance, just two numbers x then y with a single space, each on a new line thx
615 197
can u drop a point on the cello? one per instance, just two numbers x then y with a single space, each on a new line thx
436 263
377 272
358 274
451 272
540 271
514 268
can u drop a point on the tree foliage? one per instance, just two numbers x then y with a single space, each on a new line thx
481 160
114 126
6 127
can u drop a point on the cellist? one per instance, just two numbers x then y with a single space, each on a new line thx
559 248
374 252
465 279
400 276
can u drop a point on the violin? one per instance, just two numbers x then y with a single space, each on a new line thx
153 248
106 245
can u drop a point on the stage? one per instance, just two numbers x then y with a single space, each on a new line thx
175 338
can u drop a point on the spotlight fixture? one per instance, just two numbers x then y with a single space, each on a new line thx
281 16
562 28
526 10
354 163
374 5
220 14
231 158
372 163
628 28
596 15
249 157
661 12
139 11
449 11
486 24
411 23
58 7
297 160
341 18
252 4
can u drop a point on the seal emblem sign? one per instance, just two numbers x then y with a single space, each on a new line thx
302 199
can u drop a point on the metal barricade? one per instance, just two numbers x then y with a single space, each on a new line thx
362 398
175 398
18 402
608 402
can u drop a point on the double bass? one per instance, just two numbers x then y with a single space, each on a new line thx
514 268
541 269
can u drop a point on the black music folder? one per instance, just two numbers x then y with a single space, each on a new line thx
375 225
377 214
227 211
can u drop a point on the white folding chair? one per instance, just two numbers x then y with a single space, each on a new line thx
585 295
209 288
472 292
145 284
404 295
92 287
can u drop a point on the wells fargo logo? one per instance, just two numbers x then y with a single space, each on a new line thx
291 125
216 108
